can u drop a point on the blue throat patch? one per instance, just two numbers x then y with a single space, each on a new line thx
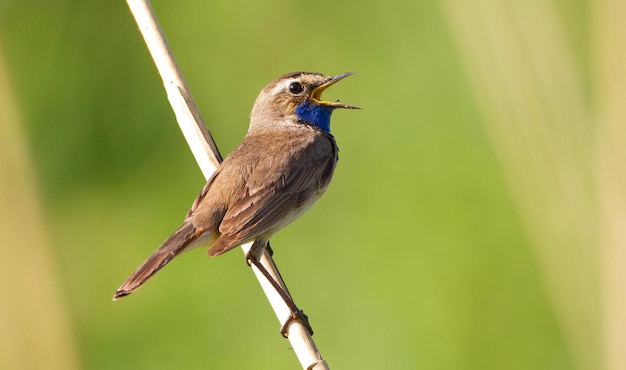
315 114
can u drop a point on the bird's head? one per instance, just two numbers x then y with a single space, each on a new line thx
296 98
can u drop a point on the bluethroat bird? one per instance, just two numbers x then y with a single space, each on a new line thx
283 166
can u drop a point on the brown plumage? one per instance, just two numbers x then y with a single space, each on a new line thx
282 167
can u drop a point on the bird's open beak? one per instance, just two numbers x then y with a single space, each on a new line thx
316 95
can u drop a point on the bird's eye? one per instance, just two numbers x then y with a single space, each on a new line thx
295 88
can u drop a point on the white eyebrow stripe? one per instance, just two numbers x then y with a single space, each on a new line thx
281 87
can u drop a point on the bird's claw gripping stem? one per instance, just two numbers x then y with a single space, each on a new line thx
298 315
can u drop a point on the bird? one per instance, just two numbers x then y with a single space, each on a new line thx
284 165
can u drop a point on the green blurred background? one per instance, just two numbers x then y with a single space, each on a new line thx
473 221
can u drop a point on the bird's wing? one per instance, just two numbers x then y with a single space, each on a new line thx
275 189
203 192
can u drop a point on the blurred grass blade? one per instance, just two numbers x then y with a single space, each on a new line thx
608 36
531 94
34 329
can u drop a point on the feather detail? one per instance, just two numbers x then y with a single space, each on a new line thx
181 240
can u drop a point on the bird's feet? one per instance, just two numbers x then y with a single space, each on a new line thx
298 315
269 249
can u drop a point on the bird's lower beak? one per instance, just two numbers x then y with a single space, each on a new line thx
316 95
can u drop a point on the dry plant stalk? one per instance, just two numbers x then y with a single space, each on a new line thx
205 151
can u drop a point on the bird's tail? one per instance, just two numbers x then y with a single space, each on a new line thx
173 246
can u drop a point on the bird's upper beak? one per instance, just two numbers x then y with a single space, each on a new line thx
316 95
